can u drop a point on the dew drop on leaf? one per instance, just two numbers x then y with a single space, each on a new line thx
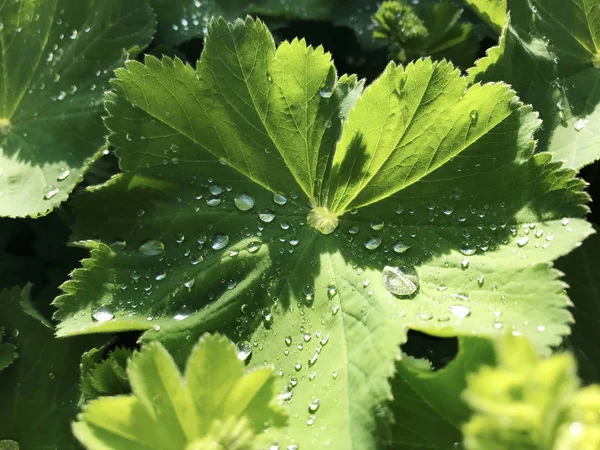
63 174
266 215
372 243
102 314
160 276
280 199
580 124
468 249
331 291
480 279
402 281
325 92
219 241
253 246
522 242
464 264
460 311
215 189
50 192
152 247
377 226
314 406
243 202
244 350
400 247
473 116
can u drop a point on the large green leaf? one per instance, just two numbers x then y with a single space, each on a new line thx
264 197
582 269
493 12
214 405
55 62
551 56
180 20
39 390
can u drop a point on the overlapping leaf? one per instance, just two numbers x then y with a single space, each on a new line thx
40 389
550 55
56 58
214 405
431 184
492 12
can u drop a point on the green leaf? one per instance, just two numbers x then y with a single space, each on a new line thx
242 208
40 389
550 56
181 20
215 402
425 400
581 268
56 59
104 376
8 353
492 12
530 403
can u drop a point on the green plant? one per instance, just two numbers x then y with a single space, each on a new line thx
274 230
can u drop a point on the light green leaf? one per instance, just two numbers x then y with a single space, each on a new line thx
455 228
425 400
581 268
171 411
551 58
40 389
530 403
493 12
56 59
181 20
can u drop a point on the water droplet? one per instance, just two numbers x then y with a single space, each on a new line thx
152 247
560 106
541 328
377 226
288 340
313 359
102 314
460 311
160 276
354 229
219 241
473 116
244 350
464 264
580 124
468 249
213 201
189 283
565 222
522 242
325 92
156 327
215 189
50 192
314 406
180 238
480 279
372 243
498 325
63 174
401 246
402 281
308 293
280 199
448 210
266 215
253 246
425 316
244 202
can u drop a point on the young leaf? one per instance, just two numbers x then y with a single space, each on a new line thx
57 57
213 403
180 20
530 403
428 410
551 57
264 197
39 389
104 376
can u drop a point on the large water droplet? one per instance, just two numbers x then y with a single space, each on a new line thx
219 241
50 192
580 124
522 242
401 246
279 199
102 314
372 243
468 249
244 202
314 406
63 174
402 281
331 291
253 246
326 92
152 247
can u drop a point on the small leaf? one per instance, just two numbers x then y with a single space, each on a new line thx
106 376
492 12
530 403
56 60
167 410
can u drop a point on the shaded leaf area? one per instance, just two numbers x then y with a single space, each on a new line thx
447 222
214 404
428 410
427 28
57 57
40 390
181 20
549 54
491 12
582 268
528 402
104 373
